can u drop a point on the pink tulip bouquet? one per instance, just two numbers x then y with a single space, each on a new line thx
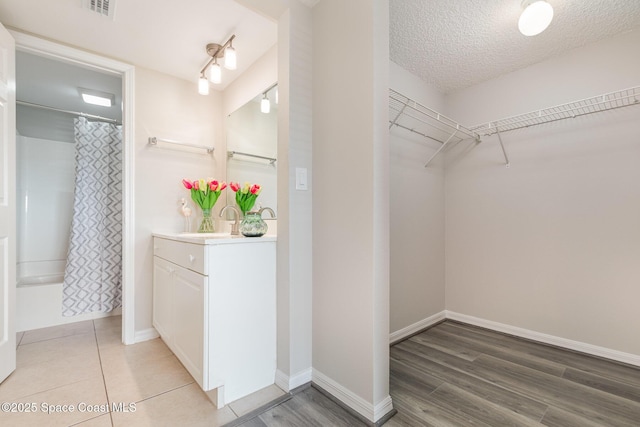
245 196
204 193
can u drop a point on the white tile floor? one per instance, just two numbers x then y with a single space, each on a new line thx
86 366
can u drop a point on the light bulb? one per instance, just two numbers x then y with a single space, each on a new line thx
215 73
203 85
265 105
535 18
230 59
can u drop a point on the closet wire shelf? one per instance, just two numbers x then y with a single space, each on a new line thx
409 114
570 110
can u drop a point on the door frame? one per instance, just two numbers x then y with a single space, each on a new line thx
59 52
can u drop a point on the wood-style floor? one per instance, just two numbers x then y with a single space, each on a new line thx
459 375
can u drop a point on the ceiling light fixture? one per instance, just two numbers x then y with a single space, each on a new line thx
535 18
216 51
96 97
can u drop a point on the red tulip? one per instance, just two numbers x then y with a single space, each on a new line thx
187 184
223 185
213 185
255 189
196 185
234 186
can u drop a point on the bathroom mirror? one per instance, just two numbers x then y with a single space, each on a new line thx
252 134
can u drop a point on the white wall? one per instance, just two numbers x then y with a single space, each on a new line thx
45 187
294 76
350 203
551 244
295 237
417 215
170 108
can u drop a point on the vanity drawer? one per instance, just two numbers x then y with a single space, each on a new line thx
187 255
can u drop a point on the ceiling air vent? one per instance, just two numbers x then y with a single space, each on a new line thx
102 7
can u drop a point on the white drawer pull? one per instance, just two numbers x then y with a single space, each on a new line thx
191 258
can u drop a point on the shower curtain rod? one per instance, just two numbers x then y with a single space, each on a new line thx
75 113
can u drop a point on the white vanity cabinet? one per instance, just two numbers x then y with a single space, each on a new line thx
214 305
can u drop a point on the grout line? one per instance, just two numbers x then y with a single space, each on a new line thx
48 389
54 338
104 382
165 392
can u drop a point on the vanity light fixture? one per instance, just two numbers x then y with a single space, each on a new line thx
97 97
215 72
535 17
217 51
265 104
203 85
230 59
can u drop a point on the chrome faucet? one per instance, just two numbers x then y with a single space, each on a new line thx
234 226
273 214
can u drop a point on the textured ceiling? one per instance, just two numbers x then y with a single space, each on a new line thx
457 43
163 35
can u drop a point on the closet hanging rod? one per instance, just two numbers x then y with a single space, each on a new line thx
60 110
153 141
420 120
271 160
418 132
595 104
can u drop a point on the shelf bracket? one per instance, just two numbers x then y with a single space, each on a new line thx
506 158
440 149
391 123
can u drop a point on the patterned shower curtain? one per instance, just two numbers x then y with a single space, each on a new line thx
93 275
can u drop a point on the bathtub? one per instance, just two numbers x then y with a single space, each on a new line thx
39 304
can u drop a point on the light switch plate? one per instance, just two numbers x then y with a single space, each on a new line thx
301 179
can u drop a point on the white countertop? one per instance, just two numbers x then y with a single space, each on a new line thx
212 238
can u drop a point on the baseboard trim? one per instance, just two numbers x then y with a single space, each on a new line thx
146 335
582 347
406 332
282 380
351 400
289 383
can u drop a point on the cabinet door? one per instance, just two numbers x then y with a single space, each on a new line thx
162 298
189 322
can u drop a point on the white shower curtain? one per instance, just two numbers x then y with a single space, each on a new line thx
93 275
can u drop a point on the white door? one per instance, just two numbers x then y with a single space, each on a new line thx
7 204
